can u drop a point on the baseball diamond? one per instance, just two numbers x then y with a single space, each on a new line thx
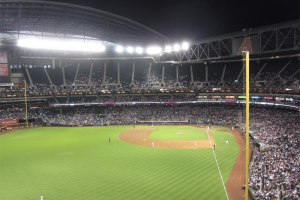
163 100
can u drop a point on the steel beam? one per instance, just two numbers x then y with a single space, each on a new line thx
104 73
132 75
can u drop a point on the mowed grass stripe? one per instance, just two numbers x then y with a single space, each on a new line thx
80 163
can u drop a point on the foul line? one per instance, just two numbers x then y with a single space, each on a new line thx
218 166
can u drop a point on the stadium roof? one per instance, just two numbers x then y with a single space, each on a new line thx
45 18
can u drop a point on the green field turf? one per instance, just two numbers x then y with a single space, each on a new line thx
170 133
80 163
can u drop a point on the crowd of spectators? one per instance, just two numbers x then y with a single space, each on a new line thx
19 113
275 166
275 170
272 78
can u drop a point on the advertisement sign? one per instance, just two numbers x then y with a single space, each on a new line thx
279 98
109 103
289 99
250 44
216 97
202 97
9 121
255 97
3 69
6 84
231 101
268 98
229 97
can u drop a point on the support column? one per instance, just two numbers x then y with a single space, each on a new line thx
163 74
295 73
104 73
132 75
53 64
149 72
118 73
29 77
64 77
223 74
192 75
76 73
281 70
206 73
238 78
49 79
91 72
177 74
260 71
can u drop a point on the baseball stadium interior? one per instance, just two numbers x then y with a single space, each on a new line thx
202 83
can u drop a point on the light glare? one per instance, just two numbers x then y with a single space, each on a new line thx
119 49
139 50
130 49
176 47
168 49
61 45
154 50
185 46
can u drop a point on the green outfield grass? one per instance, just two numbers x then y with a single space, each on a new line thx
171 133
80 163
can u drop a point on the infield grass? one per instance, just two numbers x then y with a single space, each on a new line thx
80 163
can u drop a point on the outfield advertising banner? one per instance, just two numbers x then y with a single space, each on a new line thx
256 97
268 98
170 102
279 98
9 121
202 97
229 97
250 44
109 103
3 69
230 101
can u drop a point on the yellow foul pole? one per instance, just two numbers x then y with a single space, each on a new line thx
247 123
25 98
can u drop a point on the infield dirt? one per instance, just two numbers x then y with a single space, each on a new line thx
140 137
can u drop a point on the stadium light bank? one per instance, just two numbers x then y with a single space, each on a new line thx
98 47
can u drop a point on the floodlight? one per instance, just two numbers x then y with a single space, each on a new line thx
119 49
176 47
90 47
185 46
168 49
154 50
130 49
139 50
60 45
